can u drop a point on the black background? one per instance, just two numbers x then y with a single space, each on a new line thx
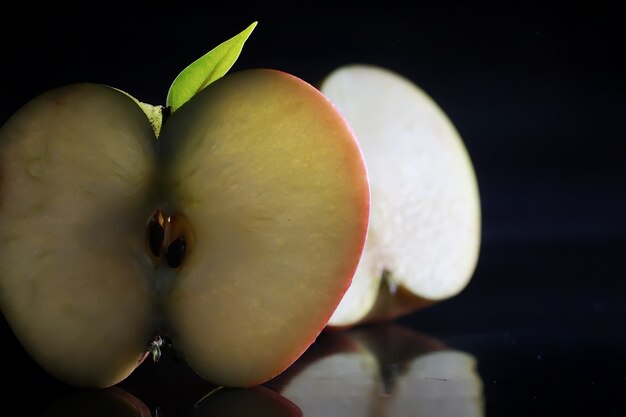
537 93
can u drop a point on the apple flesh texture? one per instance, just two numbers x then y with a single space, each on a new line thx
271 182
277 193
425 224
76 168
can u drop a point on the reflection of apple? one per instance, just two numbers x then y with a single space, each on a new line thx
424 234
176 391
383 370
97 403
257 401
255 198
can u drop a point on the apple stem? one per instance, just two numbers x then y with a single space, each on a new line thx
155 348
391 285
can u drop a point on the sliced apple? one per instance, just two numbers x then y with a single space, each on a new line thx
256 203
272 182
76 168
386 370
425 223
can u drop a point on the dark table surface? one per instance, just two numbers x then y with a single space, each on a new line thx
536 91
533 334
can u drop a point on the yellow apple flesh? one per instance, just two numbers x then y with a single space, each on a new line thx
266 184
271 179
76 166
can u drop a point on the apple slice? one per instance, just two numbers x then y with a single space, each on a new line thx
271 181
425 223
76 166
384 370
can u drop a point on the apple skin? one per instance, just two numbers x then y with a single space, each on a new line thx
392 304
263 175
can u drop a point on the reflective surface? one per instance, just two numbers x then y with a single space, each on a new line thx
383 370
529 336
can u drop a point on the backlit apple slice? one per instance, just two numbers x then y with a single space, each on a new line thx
425 223
270 179
76 171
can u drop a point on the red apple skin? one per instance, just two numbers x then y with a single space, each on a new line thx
390 305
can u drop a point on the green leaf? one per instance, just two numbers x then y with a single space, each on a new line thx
206 69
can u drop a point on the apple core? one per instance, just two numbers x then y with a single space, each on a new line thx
167 240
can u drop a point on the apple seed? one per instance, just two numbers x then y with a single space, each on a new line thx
156 233
170 233
176 252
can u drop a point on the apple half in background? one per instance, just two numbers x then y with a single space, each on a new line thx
383 370
424 234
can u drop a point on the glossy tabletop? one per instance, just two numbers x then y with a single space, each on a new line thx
526 337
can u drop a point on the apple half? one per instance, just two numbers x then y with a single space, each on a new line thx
425 222
235 234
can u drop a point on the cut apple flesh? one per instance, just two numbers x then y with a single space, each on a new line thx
76 168
272 182
424 231
263 198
